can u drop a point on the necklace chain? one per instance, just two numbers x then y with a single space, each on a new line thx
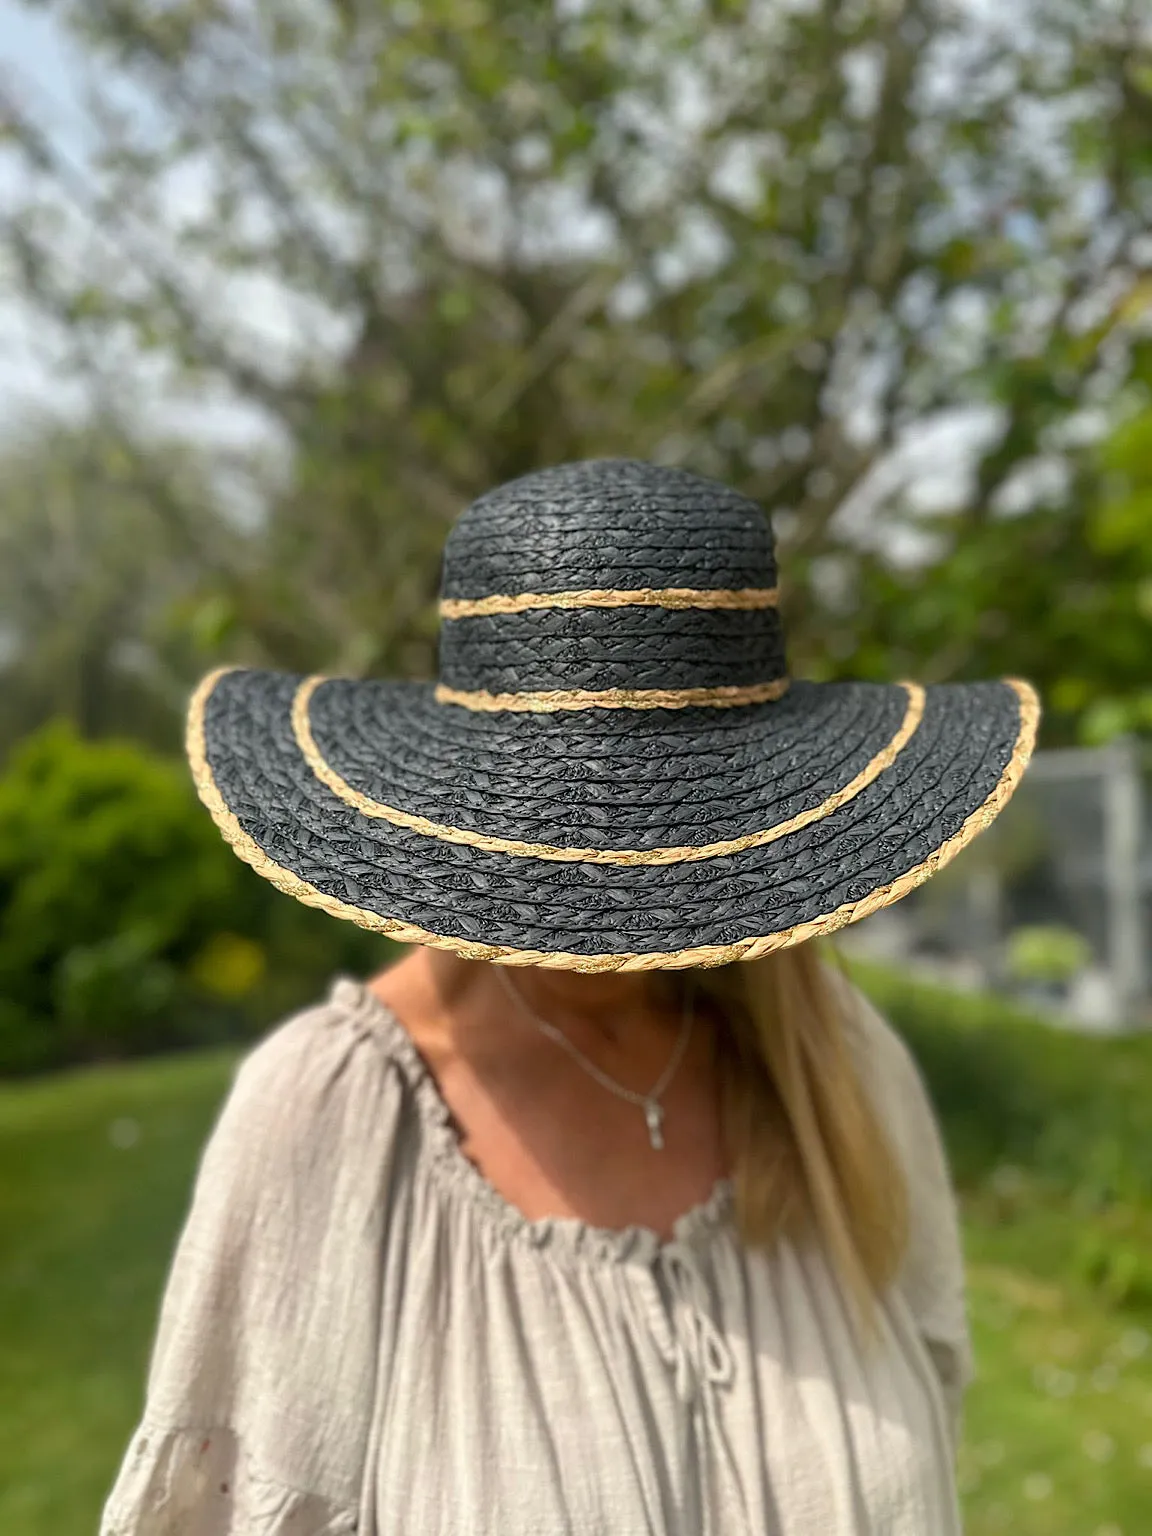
653 1111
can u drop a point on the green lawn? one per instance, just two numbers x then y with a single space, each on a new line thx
1058 1433
95 1172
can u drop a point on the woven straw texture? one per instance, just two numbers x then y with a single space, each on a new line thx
652 828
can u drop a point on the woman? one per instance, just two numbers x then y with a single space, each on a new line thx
611 1207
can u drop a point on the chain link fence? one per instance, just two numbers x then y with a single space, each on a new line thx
1052 904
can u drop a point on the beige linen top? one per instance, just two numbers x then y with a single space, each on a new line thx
359 1334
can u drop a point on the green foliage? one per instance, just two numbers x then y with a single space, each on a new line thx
1119 532
1119 1271
126 923
1013 1091
770 242
1046 953
103 541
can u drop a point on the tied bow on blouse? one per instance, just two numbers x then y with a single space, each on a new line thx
683 1326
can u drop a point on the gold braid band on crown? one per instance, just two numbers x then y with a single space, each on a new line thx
611 597
552 700
246 848
689 853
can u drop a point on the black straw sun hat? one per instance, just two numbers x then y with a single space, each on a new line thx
614 770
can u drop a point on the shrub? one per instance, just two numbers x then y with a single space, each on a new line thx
127 925
1011 1088
1047 954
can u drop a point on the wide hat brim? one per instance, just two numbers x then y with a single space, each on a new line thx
603 839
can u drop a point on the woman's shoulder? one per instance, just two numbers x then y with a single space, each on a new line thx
323 1084
263 1361
336 1026
346 1033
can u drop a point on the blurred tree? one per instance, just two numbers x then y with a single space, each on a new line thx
1119 699
1060 591
98 545
766 240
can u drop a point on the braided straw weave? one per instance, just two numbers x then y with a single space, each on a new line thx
613 769
702 955
638 597
549 702
624 856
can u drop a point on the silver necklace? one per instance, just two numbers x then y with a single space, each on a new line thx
653 1111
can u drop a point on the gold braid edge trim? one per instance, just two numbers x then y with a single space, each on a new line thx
703 955
611 597
688 853
724 697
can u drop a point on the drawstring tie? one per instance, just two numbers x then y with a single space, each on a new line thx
693 1344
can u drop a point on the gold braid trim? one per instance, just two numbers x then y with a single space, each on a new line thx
610 597
688 853
703 955
724 697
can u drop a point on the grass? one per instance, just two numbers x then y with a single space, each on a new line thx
1058 1425
95 1173
1047 1133
96 1169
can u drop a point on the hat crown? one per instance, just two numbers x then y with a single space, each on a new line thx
609 576
608 523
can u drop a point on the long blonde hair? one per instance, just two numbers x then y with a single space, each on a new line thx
810 1157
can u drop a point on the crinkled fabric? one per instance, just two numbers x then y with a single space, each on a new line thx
359 1334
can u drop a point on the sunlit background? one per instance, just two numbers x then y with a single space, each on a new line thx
282 287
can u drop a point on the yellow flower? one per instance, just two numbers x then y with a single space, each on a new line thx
229 965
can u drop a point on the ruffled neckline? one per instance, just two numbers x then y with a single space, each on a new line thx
569 1235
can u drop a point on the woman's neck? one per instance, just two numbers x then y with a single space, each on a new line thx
622 1012
614 1006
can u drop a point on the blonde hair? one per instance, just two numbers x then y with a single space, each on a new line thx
810 1157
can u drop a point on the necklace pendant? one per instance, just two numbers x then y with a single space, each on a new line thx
654 1115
